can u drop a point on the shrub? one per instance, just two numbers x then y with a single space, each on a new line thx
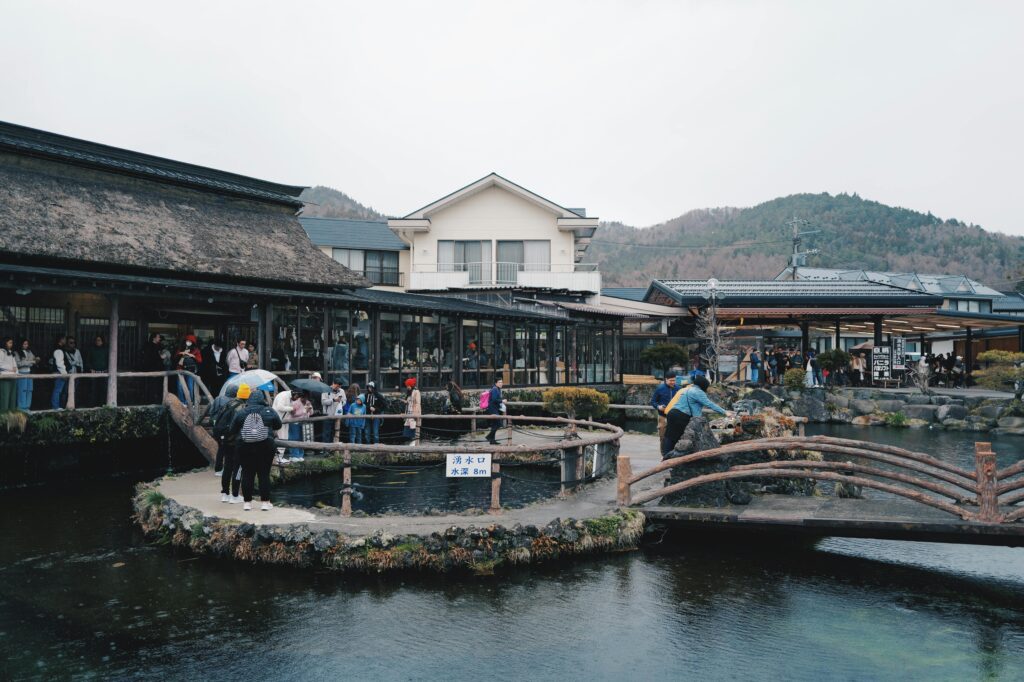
585 402
1004 373
794 379
895 419
665 355
833 359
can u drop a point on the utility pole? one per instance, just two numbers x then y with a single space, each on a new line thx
799 257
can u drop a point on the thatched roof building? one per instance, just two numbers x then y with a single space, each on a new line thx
68 202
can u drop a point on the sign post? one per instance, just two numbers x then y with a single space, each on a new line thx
899 352
476 465
881 363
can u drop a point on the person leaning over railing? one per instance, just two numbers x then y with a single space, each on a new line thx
687 403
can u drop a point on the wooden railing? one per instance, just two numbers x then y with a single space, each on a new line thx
194 399
984 495
575 441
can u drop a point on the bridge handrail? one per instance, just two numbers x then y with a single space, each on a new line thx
802 443
983 505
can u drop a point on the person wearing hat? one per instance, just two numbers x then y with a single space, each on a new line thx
687 403
374 405
356 427
227 454
254 428
413 410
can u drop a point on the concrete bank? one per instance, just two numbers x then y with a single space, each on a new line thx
186 511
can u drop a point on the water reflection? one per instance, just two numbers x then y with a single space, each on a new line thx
841 609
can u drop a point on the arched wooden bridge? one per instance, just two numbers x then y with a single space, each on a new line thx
923 498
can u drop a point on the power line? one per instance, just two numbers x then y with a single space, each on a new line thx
738 245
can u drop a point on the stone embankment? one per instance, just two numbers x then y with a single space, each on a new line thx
869 407
479 549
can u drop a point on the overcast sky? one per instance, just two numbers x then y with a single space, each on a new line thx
638 111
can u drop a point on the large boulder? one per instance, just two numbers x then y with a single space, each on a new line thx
839 402
1011 423
926 412
889 405
842 416
918 399
860 406
990 411
763 396
868 420
955 425
944 412
810 405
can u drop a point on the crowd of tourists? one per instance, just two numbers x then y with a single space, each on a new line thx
944 370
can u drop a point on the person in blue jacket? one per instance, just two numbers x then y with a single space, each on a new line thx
494 407
659 401
688 403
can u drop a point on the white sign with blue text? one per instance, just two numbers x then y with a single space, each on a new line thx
468 466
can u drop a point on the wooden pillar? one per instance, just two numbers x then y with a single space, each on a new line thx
495 488
968 353
985 466
877 321
326 344
805 340
921 343
624 471
838 342
267 329
1020 339
346 484
112 342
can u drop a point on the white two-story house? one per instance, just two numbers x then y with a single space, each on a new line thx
494 234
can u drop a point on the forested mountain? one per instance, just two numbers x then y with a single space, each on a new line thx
325 202
854 233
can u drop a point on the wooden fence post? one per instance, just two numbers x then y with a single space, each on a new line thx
495 488
165 388
112 342
346 482
71 391
985 465
624 472
337 431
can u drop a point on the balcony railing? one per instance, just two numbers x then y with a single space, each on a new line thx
583 277
385 277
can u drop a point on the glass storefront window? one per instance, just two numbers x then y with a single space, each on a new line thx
470 354
486 352
311 340
543 369
361 346
390 351
430 353
284 344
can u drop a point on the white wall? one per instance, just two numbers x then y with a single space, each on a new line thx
493 214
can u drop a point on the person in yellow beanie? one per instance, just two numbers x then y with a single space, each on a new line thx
244 391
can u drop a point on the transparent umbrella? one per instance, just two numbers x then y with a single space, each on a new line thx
255 378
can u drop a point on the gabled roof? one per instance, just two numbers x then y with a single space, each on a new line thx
343 233
33 142
492 180
786 293
942 285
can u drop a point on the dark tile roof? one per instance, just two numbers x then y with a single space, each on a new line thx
343 233
627 293
1010 302
445 305
32 142
787 293
958 286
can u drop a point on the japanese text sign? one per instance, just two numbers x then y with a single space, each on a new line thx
468 466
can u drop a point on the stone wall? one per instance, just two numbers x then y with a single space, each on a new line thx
480 550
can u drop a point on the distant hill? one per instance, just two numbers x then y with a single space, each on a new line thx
855 233
325 202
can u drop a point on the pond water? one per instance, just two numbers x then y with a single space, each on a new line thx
82 595
404 489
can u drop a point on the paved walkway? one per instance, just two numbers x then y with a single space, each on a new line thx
201 491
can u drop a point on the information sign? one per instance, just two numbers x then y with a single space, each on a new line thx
881 362
468 466
899 352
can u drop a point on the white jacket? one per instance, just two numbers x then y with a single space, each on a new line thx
8 362
283 406
58 360
334 402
